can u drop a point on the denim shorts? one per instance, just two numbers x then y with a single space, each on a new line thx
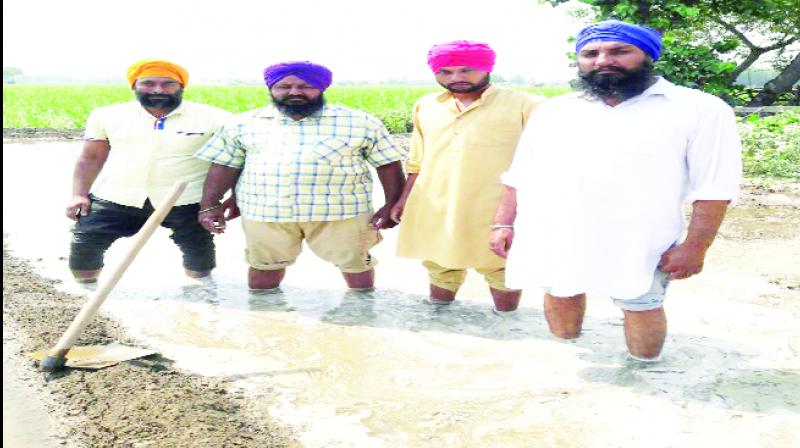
652 299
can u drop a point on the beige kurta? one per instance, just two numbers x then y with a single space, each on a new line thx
459 157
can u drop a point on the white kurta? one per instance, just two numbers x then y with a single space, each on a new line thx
600 189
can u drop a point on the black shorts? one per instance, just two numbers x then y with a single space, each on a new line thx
107 221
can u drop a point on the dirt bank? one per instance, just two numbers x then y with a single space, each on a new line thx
40 134
140 403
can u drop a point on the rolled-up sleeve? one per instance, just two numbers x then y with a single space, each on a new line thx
714 156
224 148
383 150
95 128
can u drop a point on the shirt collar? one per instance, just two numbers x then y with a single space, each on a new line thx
486 96
660 87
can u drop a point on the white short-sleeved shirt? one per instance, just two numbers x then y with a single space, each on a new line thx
148 155
600 189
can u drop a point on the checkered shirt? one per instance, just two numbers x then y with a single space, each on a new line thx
314 169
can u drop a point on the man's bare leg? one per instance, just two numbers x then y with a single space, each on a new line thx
505 300
89 276
360 280
258 279
645 332
565 315
196 274
441 295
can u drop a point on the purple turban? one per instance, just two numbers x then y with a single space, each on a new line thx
314 74
647 39
461 53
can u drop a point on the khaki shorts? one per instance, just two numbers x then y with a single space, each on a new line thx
346 244
452 279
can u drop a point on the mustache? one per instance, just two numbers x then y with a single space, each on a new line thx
613 68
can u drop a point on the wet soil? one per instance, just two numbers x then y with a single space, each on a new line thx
149 402
144 402
41 134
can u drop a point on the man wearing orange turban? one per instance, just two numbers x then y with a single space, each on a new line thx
153 68
133 153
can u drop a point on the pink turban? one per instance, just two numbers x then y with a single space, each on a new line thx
461 52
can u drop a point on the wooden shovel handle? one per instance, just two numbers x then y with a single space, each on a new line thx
104 287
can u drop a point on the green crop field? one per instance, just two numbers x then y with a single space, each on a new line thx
66 107
771 145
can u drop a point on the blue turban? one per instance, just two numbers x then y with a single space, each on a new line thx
314 74
647 39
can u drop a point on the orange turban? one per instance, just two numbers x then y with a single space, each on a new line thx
154 68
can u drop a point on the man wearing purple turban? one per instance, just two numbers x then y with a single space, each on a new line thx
600 178
300 168
463 139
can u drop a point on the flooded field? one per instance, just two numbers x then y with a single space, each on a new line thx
388 369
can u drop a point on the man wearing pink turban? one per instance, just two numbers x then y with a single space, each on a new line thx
463 139
301 170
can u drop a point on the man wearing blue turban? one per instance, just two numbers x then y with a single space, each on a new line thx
601 176
301 170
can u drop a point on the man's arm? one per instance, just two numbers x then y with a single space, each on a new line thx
393 180
686 259
501 235
396 213
87 168
220 179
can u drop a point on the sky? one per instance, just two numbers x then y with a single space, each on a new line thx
358 40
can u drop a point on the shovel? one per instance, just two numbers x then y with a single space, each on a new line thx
56 359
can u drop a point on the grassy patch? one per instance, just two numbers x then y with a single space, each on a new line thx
771 145
66 107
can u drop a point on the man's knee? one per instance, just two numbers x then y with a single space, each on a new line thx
260 280
197 246
645 333
87 250
445 278
565 315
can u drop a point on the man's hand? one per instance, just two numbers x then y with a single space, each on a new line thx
396 212
230 209
381 219
500 241
79 206
212 219
682 261
686 259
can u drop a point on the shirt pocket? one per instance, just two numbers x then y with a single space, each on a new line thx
183 142
339 155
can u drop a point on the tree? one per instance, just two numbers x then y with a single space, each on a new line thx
10 74
709 43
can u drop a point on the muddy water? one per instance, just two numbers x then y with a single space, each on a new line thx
388 369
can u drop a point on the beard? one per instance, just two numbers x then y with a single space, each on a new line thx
160 100
478 86
298 105
623 84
